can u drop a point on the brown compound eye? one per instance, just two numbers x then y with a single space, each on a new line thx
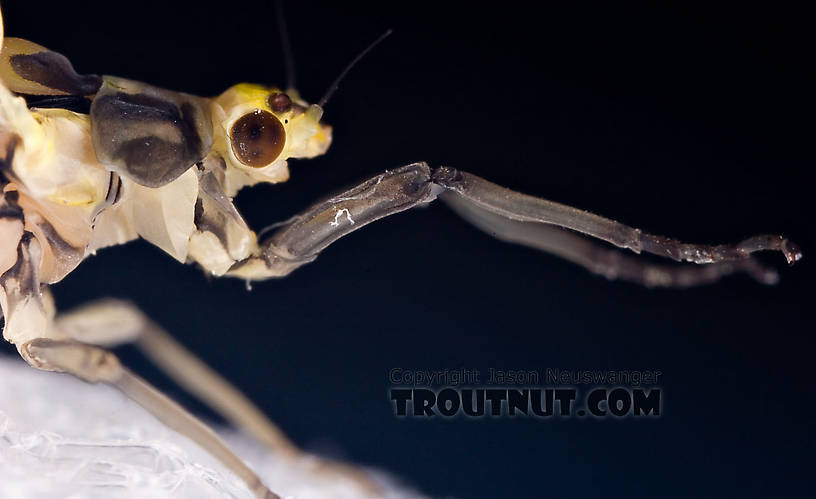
257 138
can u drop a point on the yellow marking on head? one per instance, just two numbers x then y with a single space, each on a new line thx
252 95
305 136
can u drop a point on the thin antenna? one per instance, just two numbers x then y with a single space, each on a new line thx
336 83
286 45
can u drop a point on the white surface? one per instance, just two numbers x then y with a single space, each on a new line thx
60 437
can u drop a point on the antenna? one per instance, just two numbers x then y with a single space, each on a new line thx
336 83
286 46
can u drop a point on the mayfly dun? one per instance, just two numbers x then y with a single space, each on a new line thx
89 162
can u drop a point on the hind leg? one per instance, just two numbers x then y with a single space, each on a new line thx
109 322
29 311
97 365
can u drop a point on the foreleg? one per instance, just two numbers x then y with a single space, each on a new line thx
511 216
521 207
598 259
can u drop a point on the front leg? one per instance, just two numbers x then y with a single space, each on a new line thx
512 205
307 234
511 216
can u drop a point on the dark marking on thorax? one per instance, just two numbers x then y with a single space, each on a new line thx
9 206
150 135
76 103
7 161
23 270
54 70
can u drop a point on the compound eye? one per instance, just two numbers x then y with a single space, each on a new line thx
257 138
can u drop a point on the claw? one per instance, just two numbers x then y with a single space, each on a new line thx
792 251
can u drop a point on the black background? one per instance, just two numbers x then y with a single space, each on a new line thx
695 123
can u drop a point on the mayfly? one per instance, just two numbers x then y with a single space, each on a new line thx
90 162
